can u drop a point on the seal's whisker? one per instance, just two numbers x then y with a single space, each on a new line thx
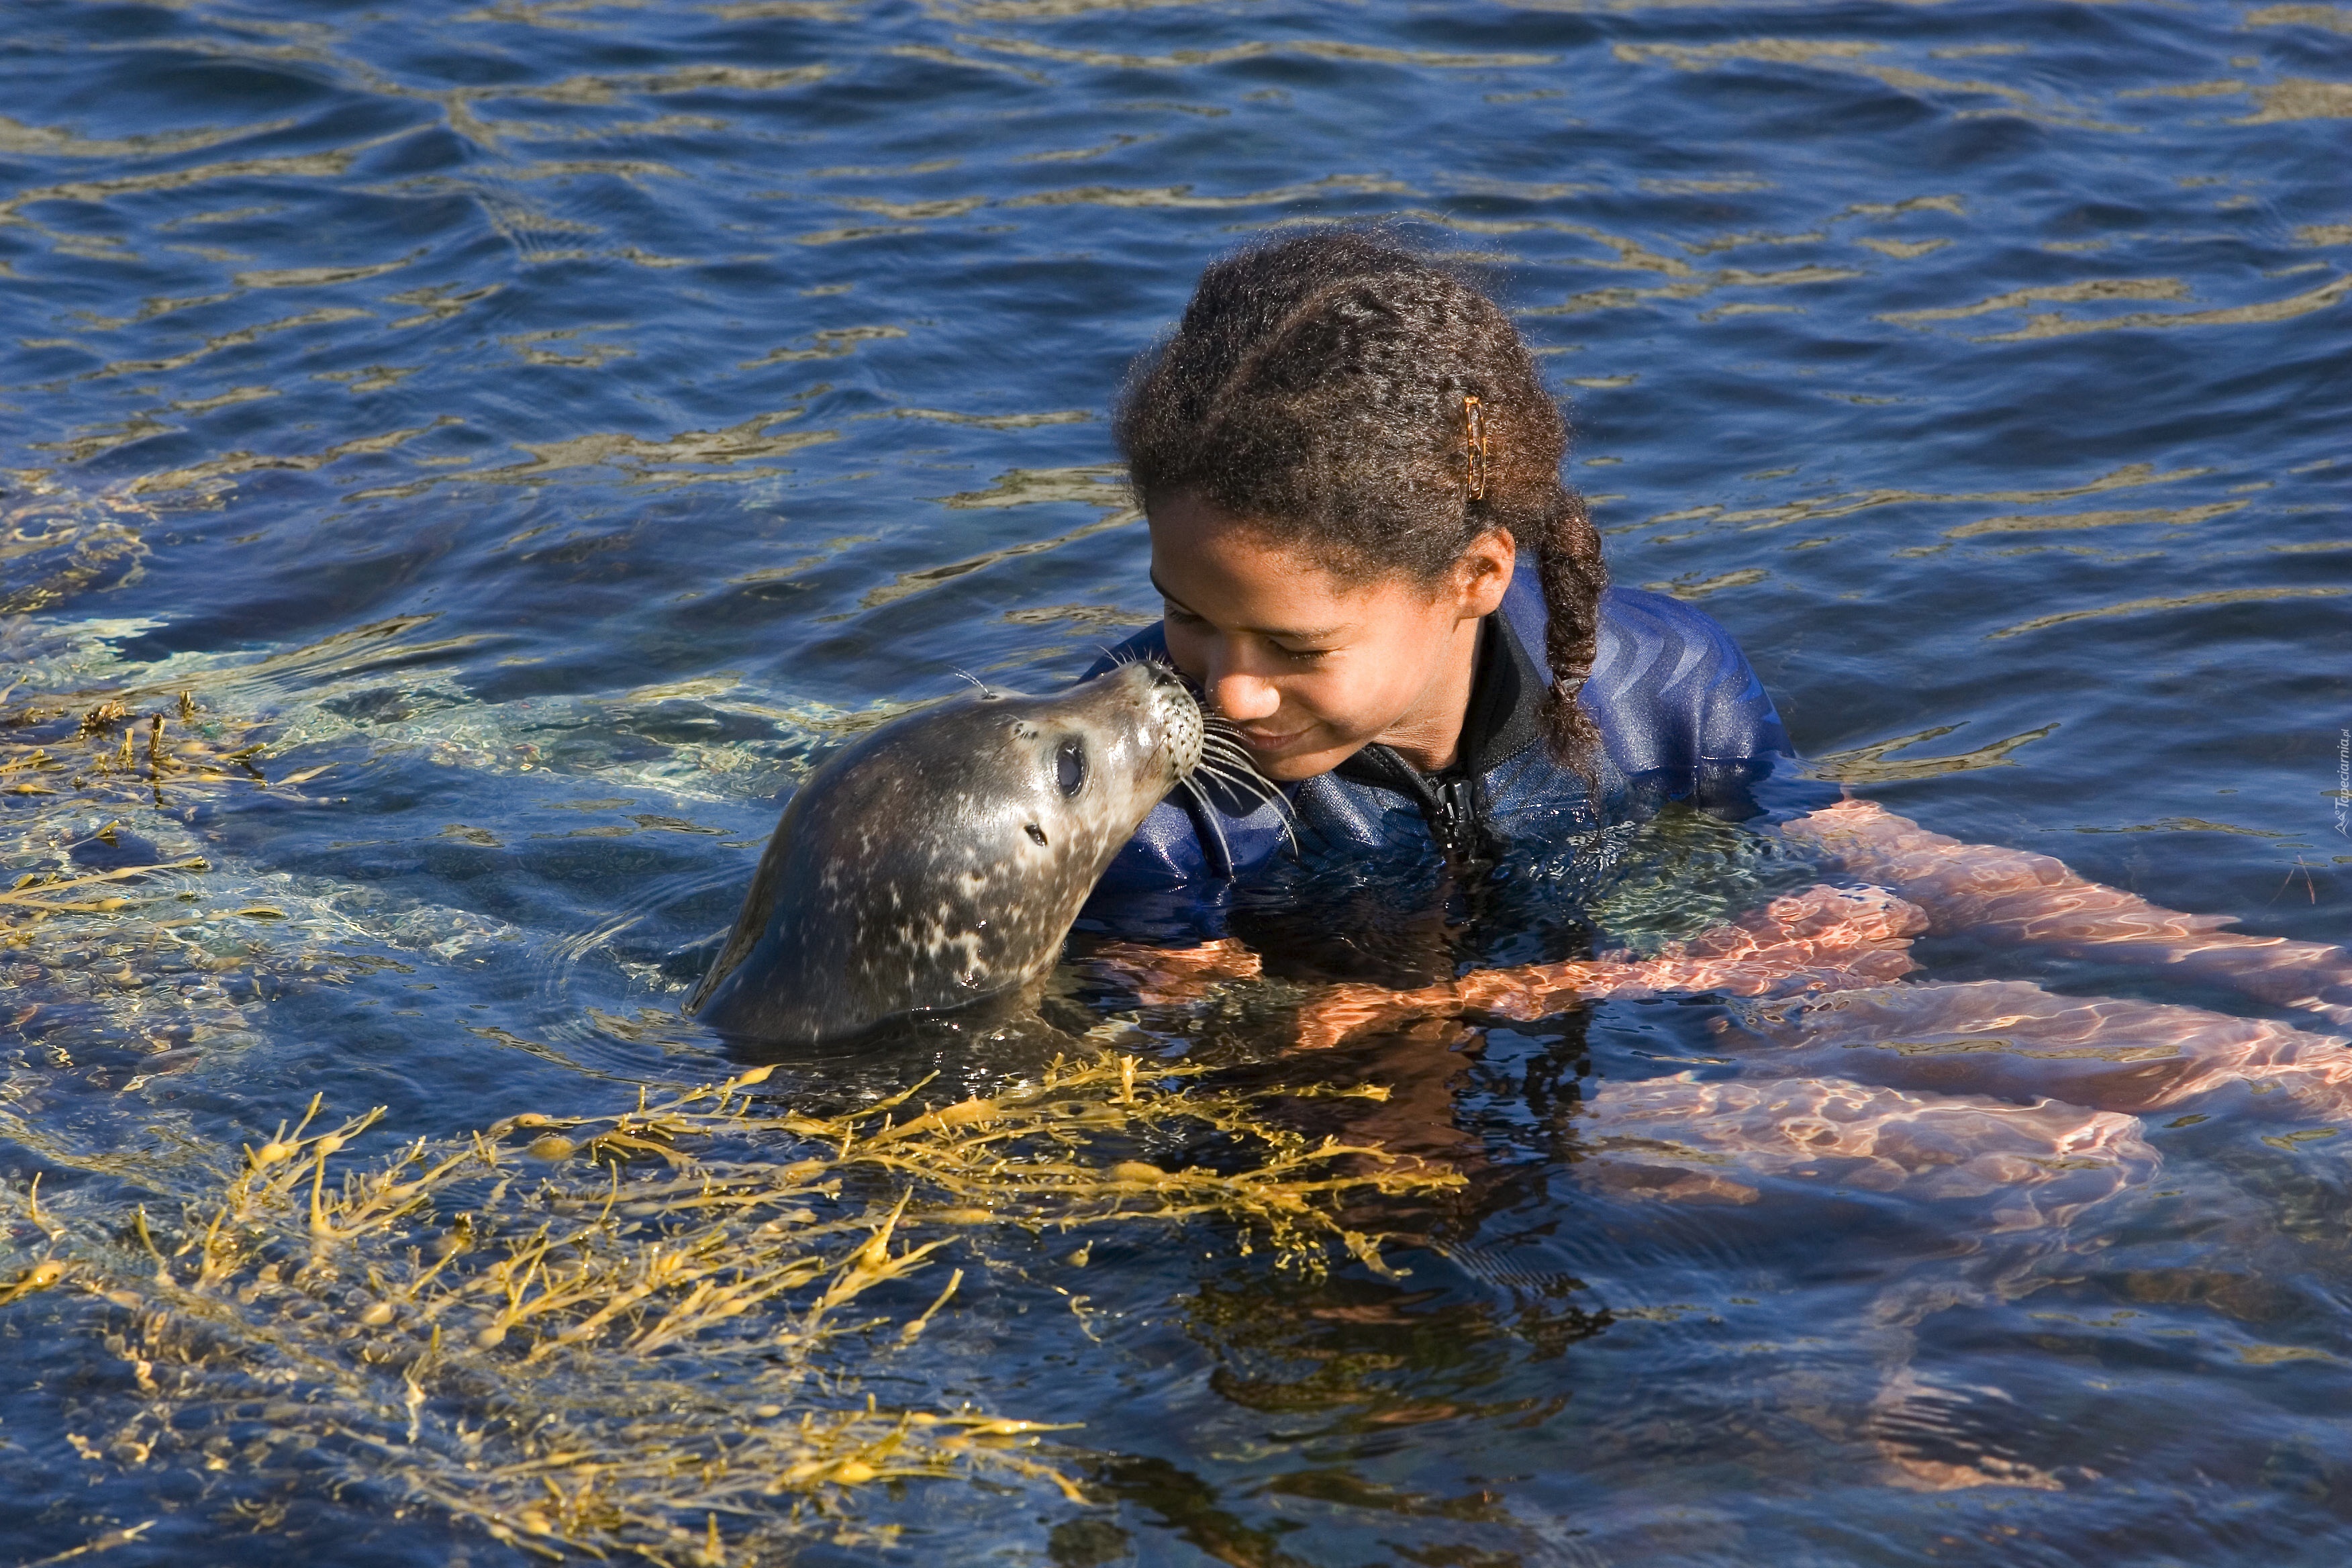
1262 791
1224 729
977 684
1227 735
1227 752
1220 753
1248 781
1253 789
1209 813
1223 757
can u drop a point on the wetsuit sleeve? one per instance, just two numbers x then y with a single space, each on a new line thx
1165 850
1159 888
1685 716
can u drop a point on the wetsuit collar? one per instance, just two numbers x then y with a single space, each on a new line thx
1501 721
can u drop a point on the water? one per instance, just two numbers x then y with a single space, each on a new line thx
550 426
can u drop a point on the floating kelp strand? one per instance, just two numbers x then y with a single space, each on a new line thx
101 753
23 894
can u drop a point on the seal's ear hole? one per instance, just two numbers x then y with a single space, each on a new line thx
1037 833
1070 765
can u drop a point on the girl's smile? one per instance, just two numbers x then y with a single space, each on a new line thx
1311 665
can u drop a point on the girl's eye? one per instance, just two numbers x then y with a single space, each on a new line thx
1070 766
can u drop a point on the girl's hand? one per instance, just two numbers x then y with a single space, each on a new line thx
1172 976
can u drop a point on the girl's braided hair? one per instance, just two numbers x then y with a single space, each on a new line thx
1315 389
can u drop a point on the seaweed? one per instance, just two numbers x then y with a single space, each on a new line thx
642 1332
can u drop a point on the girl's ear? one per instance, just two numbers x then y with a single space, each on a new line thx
1484 573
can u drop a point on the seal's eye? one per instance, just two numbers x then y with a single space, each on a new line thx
1070 766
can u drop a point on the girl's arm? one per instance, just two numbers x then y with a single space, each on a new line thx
2016 896
1820 939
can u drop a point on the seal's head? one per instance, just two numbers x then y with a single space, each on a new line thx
942 859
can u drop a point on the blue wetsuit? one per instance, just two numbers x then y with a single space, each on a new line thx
1682 716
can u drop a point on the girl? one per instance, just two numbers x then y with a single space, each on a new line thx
1373 571
1373 574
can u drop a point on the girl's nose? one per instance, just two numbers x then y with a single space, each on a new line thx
1242 697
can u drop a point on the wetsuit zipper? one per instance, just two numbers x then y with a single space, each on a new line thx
1499 722
1456 817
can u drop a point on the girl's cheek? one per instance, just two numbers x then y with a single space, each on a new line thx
1332 694
1183 650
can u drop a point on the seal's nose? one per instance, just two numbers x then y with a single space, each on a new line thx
1164 676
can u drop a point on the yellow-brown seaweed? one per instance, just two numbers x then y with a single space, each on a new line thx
519 1326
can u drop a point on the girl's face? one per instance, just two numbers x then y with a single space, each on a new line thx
1310 666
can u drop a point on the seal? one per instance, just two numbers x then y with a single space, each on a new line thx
942 859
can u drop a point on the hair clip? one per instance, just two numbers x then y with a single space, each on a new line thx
1477 450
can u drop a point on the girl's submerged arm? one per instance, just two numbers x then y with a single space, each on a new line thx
1819 938
2018 896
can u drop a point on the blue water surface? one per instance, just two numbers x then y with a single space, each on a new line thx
547 428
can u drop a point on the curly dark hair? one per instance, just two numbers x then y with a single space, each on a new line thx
1315 388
